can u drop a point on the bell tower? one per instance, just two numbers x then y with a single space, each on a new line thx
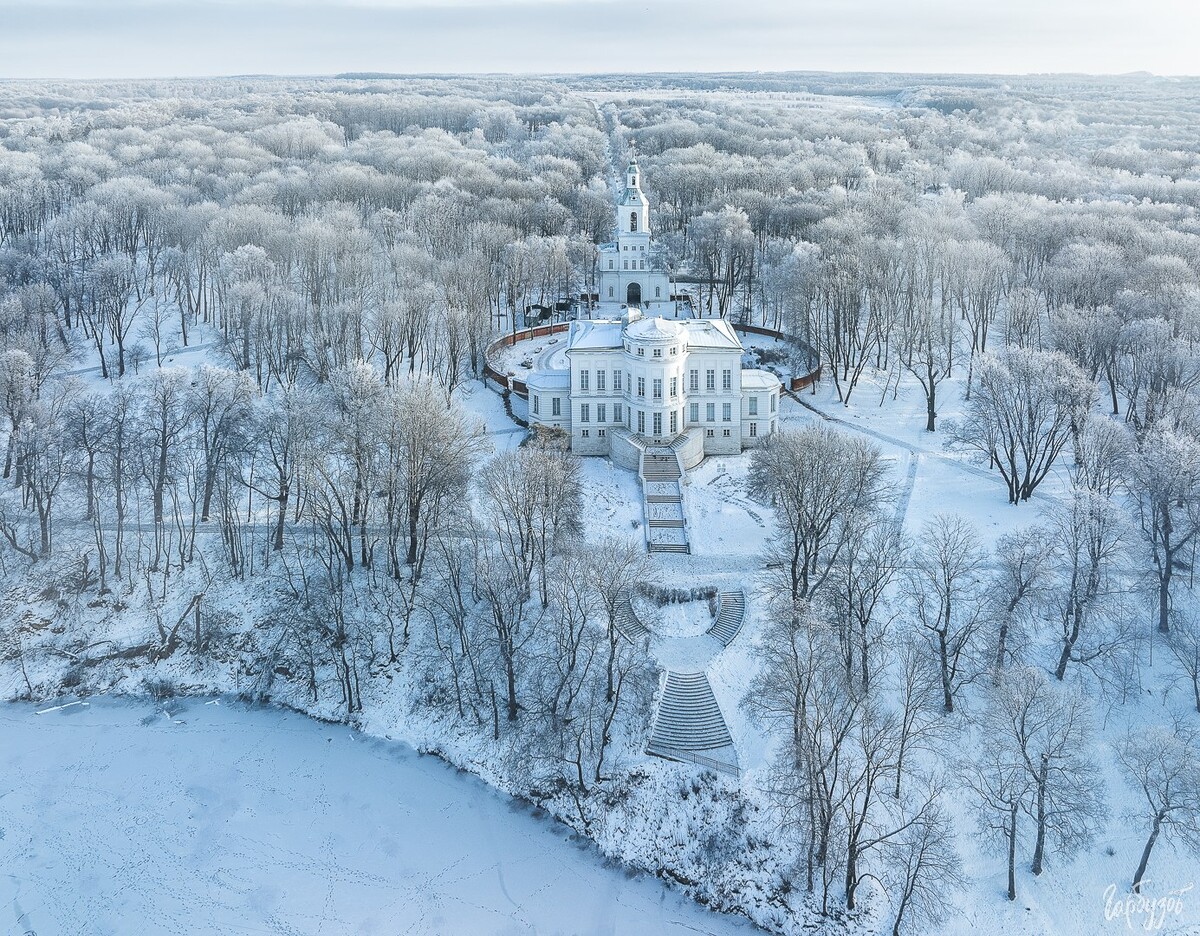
633 210
629 270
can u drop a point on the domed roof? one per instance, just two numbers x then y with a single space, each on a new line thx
654 329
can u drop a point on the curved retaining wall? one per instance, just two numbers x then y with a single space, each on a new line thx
502 382
796 383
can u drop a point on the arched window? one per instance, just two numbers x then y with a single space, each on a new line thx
633 221
657 295
610 292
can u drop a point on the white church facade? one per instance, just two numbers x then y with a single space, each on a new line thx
636 382
630 270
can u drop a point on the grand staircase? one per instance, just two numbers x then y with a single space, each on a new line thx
662 497
731 611
689 726
627 621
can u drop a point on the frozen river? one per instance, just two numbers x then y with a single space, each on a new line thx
116 818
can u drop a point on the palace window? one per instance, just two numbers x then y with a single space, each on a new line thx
657 292
536 408
641 352
641 386
600 412
658 352
585 412
726 412
601 380
625 264
583 380
695 413
694 380
616 412
642 422
643 262
555 406
772 402
658 424
674 351
726 379
674 422
658 388
753 406
601 433
710 412
753 429
584 433
610 264
674 387
710 379
709 433
610 292
616 380
725 433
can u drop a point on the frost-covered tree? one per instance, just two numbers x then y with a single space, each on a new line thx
1000 784
531 500
826 487
1161 763
17 392
1017 589
1089 535
1045 729
1163 483
945 598
1024 410
1184 646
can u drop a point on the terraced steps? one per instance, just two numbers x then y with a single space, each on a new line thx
662 466
732 613
688 719
662 501
627 621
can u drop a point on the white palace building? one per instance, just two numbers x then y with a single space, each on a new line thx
636 381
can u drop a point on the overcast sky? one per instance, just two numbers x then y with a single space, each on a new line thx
139 38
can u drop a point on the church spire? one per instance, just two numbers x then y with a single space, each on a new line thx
633 211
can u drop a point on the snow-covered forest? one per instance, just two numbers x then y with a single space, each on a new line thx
248 450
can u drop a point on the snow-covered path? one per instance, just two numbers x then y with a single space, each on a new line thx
118 818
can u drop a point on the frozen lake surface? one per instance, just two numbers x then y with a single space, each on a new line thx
118 818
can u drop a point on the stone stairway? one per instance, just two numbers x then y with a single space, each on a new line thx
660 465
662 501
689 726
628 623
731 612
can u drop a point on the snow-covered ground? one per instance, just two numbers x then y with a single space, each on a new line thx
931 478
229 820
208 817
528 355
1083 895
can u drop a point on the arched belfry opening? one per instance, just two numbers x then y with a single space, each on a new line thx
633 222
633 295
